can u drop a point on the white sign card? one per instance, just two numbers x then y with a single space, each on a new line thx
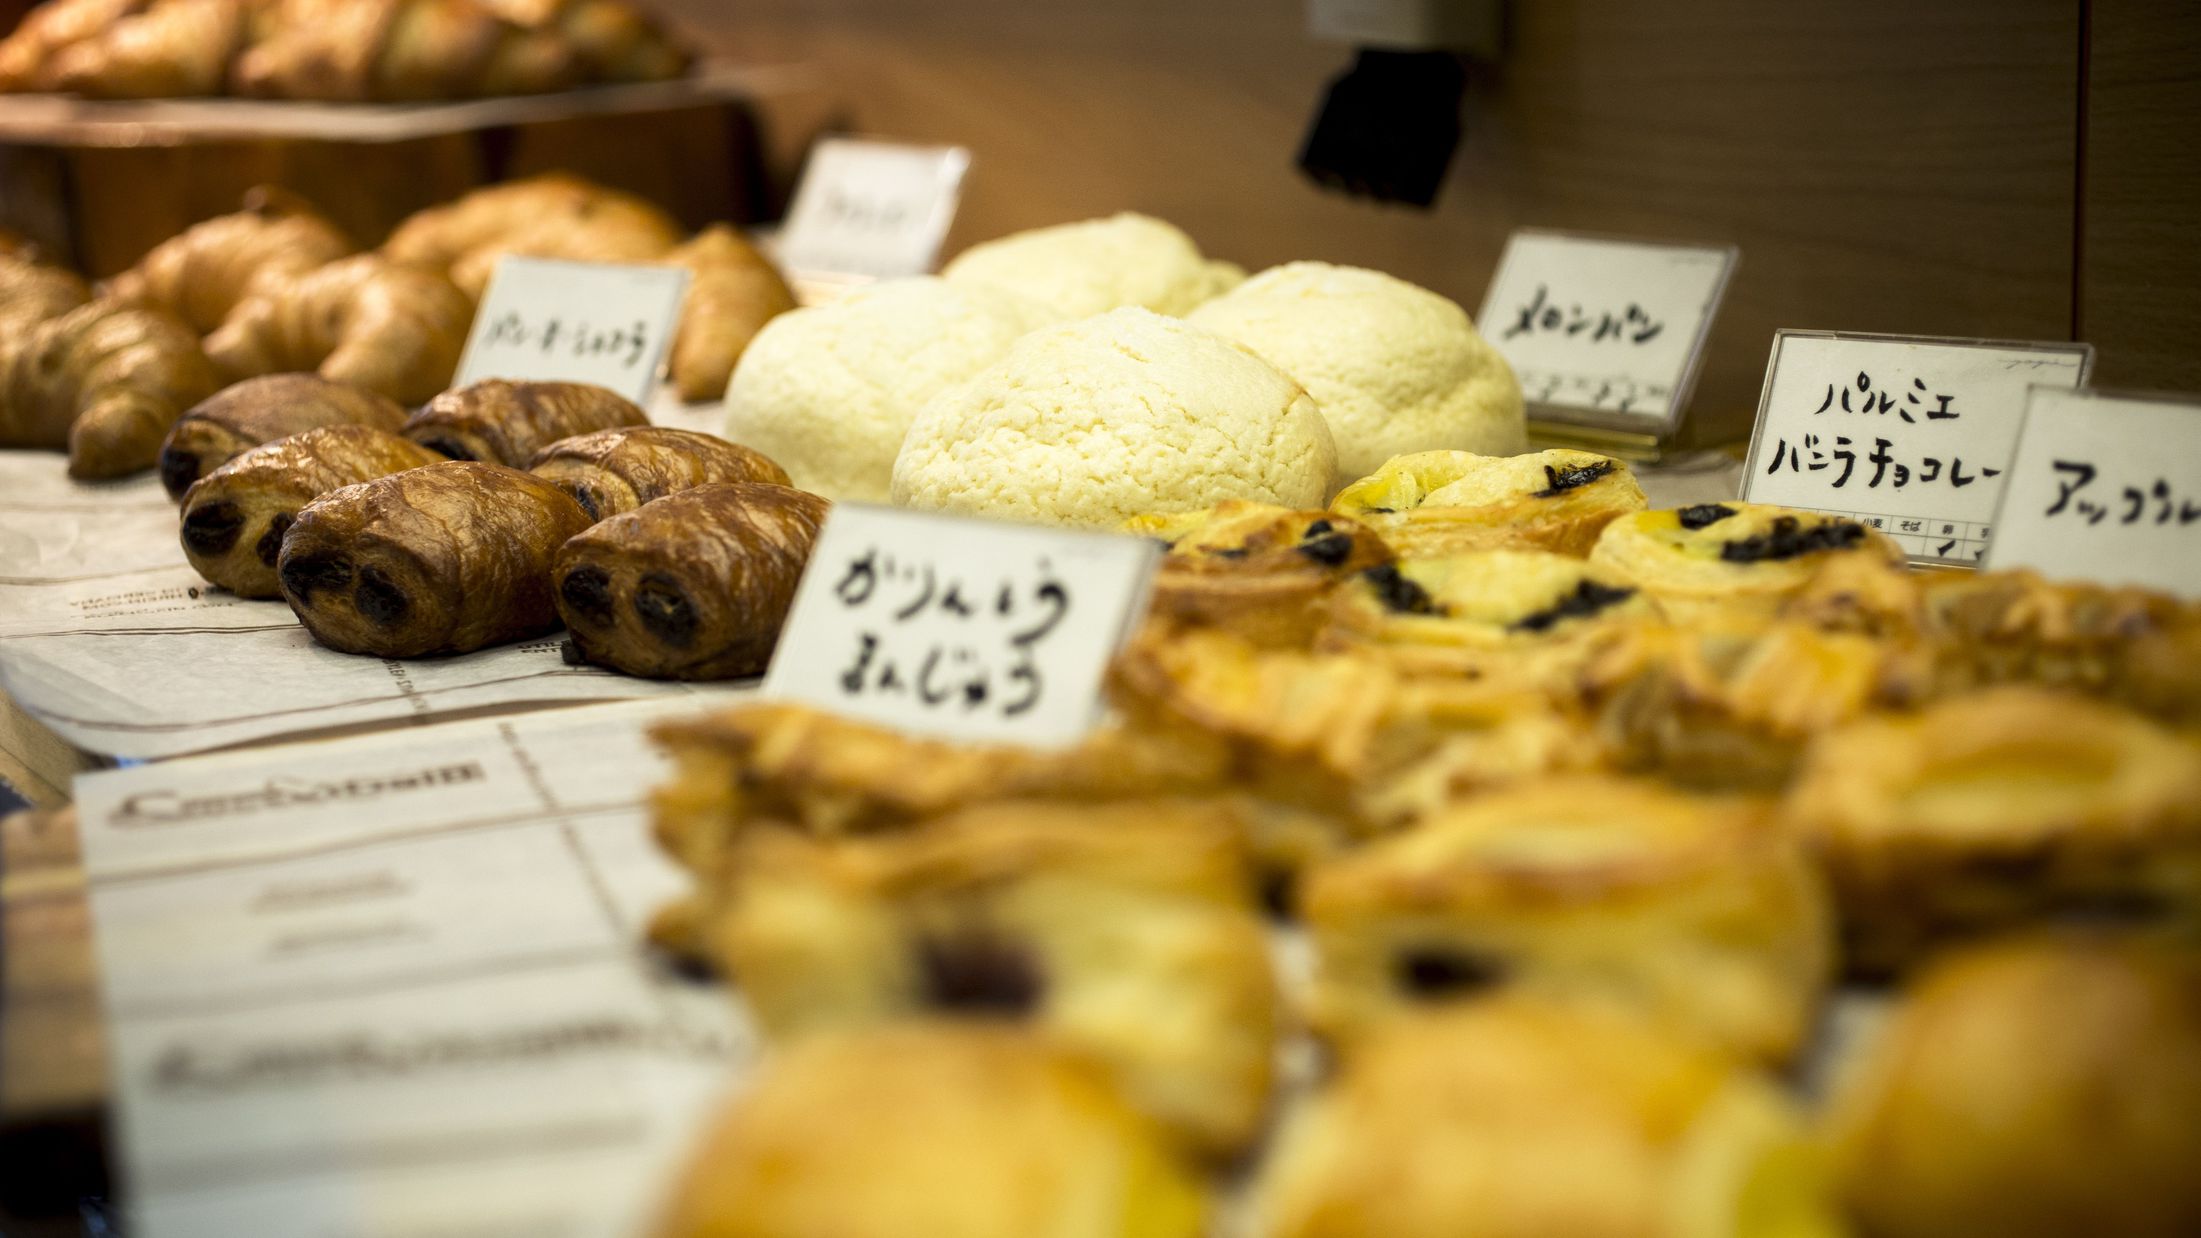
870 210
1604 331
1912 435
960 629
2105 487
547 320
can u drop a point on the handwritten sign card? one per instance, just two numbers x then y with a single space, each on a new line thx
2105 487
872 210
1909 434
960 629
547 320
1604 331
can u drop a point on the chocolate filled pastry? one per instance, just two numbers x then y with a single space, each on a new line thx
611 472
244 415
1445 502
447 558
1741 558
692 586
507 423
1254 568
234 518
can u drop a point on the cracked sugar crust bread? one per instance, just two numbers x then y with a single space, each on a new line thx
1395 368
611 472
1444 502
1076 270
244 415
829 391
1089 423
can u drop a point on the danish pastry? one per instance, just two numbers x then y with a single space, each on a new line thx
1987 810
612 472
692 586
1741 557
361 320
1121 930
509 422
970 1131
448 558
1692 912
1517 1120
1444 502
260 410
235 517
2034 1088
1254 568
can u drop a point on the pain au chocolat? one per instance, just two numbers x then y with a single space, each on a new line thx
611 472
448 558
260 410
506 422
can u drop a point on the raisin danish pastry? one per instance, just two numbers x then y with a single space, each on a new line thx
448 558
612 472
1123 931
1746 558
205 272
691 586
1255 568
507 423
933 1129
234 518
1693 912
260 410
1444 502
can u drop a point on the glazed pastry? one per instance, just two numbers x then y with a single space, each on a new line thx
508 423
359 320
1121 930
550 216
1511 1119
1444 502
1254 568
260 410
732 292
1988 810
2032 1089
204 273
692 586
970 1131
1692 912
612 472
1745 558
235 517
449 558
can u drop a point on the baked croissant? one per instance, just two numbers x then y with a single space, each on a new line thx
692 586
732 292
508 422
260 410
449 558
615 42
612 472
203 274
361 320
27 56
173 49
31 292
555 215
400 51
235 517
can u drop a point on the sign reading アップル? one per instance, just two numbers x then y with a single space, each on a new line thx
548 320
1909 434
871 210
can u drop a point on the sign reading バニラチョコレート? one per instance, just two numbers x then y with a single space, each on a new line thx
1910 435
548 320
960 629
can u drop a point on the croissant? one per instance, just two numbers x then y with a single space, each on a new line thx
31 292
612 472
27 56
361 320
614 42
235 517
508 422
692 586
205 272
732 292
174 49
399 51
555 215
448 558
260 410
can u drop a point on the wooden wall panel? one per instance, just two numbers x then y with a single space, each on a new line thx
1884 164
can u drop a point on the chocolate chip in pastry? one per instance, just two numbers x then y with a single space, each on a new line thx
1444 502
1255 568
234 518
507 423
448 558
244 415
691 586
611 472
1745 558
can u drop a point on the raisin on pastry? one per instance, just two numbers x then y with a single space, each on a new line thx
1741 557
1445 502
1254 568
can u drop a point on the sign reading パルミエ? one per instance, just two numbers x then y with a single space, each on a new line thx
548 320
872 210
960 629
2105 487
1601 330
1908 434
